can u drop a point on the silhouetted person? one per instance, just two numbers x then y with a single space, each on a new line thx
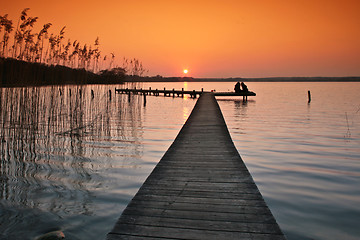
244 87
237 87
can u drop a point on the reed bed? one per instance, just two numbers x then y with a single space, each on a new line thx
46 136
54 49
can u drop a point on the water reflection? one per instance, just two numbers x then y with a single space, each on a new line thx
239 110
300 156
186 112
186 96
47 137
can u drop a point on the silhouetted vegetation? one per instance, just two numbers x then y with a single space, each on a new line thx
46 160
159 78
21 73
42 56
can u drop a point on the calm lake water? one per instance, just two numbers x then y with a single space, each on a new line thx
73 162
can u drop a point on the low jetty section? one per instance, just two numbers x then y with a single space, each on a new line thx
181 93
200 189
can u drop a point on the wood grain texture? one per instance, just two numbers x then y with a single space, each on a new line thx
200 189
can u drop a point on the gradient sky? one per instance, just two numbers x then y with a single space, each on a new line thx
240 38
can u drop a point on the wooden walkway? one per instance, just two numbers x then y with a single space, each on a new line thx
200 189
180 93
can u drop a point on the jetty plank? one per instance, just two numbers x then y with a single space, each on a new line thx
200 189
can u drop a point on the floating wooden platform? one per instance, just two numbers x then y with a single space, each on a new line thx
200 189
180 93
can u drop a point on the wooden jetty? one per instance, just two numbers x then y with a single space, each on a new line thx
200 189
180 93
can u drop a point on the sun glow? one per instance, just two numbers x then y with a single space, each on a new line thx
185 71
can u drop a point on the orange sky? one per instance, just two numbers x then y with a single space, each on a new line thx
252 38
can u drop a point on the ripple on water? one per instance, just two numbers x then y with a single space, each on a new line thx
74 163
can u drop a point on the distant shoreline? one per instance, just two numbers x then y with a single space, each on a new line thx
16 73
269 79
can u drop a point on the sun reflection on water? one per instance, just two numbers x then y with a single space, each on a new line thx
186 113
185 89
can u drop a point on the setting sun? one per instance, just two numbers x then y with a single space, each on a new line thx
285 43
185 71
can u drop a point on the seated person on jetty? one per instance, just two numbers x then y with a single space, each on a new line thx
243 86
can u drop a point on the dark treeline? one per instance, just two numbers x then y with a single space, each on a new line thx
270 79
20 73
158 78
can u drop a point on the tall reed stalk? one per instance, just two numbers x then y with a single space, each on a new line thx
29 46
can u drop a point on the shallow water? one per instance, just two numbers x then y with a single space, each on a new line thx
73 162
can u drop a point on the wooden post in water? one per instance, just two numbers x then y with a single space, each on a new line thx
173 92
110 94
129 95
182 94
164 92
70 92
92 94
144 99
309 96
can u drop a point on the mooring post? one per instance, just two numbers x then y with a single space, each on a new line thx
173 92
309 96
129 93
110 94
182 92
92 94
164 92
194 94
149 90
60 91
144 99
70 92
